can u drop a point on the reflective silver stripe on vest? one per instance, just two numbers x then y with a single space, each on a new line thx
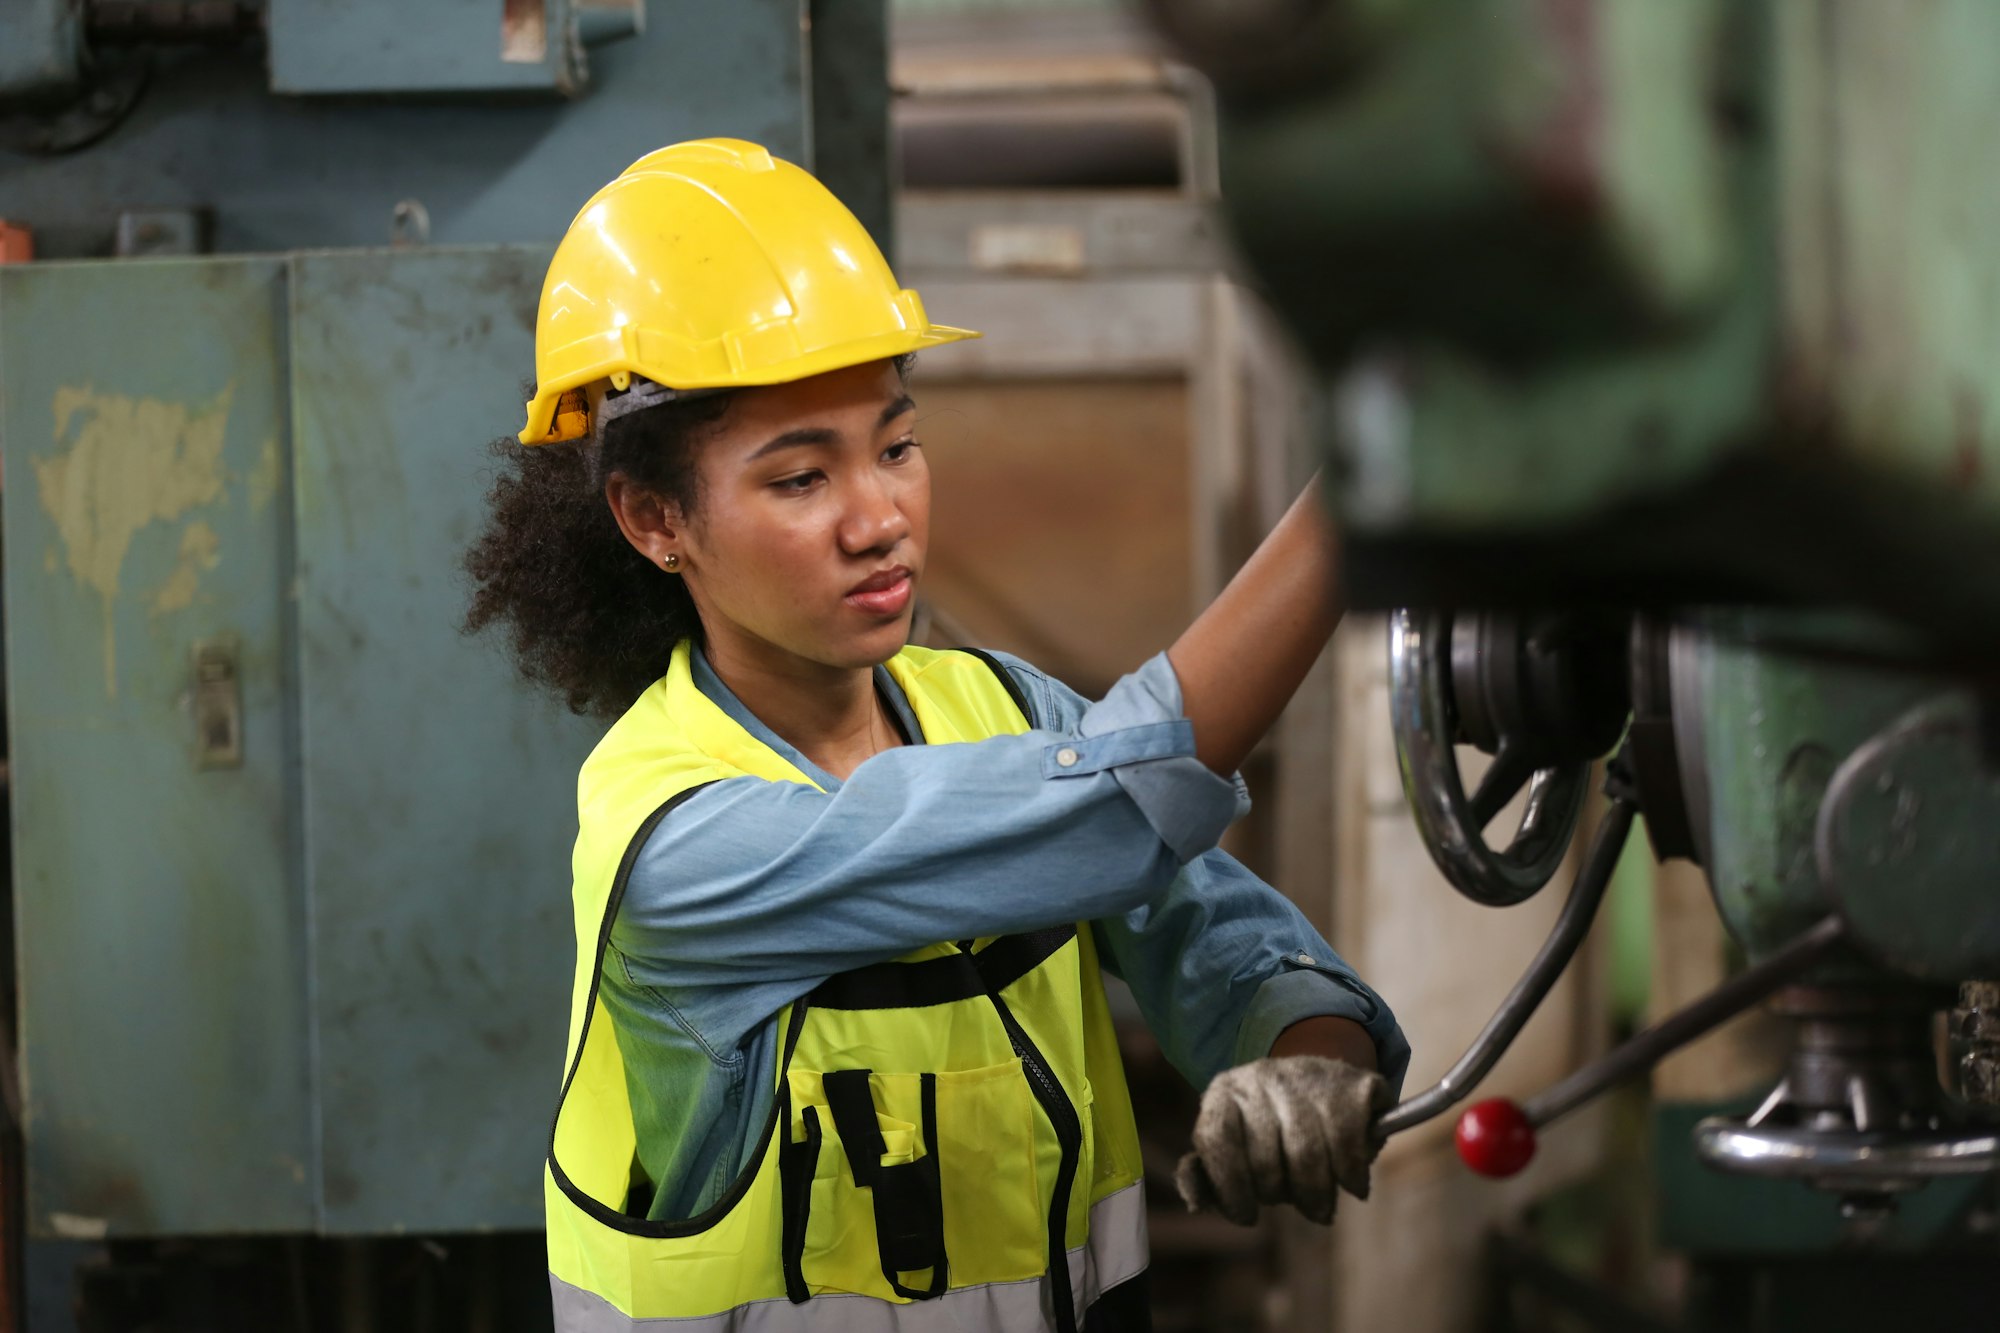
1116 1253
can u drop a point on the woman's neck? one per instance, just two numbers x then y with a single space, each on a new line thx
831 715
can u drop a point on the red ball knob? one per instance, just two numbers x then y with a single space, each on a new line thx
1494 1138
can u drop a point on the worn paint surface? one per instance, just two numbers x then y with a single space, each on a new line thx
200 552
404 802
261 486
159 906
1776 726
439 794
120 465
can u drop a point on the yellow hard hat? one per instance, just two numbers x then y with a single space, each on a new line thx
711 265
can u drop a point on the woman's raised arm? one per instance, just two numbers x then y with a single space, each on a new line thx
1243 657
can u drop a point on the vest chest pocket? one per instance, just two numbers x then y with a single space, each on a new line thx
953 1169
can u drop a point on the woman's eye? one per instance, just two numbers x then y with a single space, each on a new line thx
900 450
800 482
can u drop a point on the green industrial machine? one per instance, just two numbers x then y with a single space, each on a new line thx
290 853
1659 356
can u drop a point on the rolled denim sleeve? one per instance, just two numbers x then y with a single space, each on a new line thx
1321 985
750 881
1222 963
1141 734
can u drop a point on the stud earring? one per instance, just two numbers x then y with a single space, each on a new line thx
670 562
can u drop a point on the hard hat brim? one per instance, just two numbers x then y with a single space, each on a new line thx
881 347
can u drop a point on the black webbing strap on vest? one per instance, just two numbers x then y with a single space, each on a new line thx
909 1200
942 980
796 1163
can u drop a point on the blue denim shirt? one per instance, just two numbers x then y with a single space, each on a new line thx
750 893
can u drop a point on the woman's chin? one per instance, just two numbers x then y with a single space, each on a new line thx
881 647
873 646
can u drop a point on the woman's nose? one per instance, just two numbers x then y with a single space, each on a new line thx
874 520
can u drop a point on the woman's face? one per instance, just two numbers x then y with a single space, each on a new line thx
808 535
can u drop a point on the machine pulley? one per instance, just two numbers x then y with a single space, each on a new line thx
1544 695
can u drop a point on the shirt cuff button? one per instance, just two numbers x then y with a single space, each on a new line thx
1066 758
1308 960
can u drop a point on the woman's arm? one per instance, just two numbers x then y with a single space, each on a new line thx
1333 1038
1227 970
750 880
1243 658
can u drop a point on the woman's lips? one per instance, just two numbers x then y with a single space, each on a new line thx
884 601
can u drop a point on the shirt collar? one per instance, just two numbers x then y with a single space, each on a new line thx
724 698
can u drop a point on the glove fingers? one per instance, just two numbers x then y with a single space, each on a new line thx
1196 1190
1380 1099
1264 1114
1309 1158
1219 1141
1350 1120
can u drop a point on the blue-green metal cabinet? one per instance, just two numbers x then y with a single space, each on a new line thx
291 852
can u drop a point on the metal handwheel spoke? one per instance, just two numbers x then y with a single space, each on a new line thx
1502 782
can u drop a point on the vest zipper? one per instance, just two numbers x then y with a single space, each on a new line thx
1069 1136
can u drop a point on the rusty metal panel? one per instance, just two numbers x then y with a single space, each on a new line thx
156 881
439 795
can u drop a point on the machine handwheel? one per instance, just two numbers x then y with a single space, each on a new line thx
1429 719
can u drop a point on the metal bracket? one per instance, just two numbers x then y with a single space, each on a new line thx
218 704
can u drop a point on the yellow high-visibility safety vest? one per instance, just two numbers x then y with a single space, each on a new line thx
951 1144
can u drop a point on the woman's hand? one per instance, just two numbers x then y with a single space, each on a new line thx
1243 657
1289 1129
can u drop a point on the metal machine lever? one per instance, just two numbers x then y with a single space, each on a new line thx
1497 1137
1647 1048
1533 987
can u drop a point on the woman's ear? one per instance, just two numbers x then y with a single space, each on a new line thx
654 526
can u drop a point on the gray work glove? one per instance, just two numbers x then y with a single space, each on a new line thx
1290 1129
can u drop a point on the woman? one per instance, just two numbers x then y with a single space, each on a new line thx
839 1054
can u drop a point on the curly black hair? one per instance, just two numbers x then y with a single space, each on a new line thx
587 615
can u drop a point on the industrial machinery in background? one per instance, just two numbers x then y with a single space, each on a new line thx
1657 349
1658 356
284 840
